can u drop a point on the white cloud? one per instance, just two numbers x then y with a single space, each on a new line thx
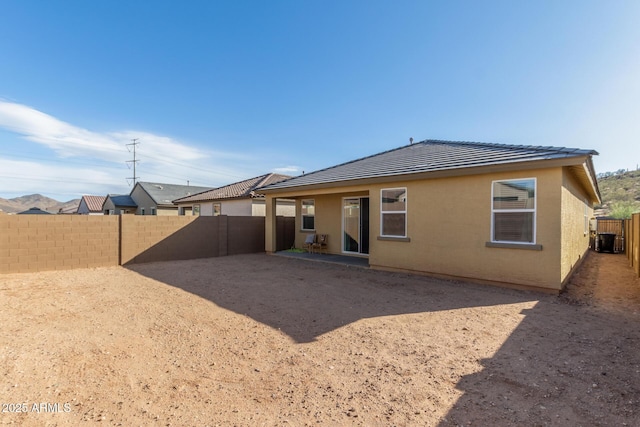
160 158
25 177
288 170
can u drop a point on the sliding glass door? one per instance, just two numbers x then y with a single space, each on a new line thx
355 225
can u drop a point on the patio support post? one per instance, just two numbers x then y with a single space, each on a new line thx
270 225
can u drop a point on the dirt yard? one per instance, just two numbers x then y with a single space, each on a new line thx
256 340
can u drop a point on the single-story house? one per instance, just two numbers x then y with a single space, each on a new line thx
119 204
34 211
503 214
237 199
91 205
154 198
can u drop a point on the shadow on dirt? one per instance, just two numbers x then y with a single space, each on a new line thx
307 299
565 364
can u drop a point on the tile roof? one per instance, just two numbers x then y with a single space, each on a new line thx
122 200
164 194
430 156
94 203
34 211
242 189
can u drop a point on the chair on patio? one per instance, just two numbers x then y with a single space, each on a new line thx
309 242
321 243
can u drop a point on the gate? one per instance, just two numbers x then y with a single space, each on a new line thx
608 235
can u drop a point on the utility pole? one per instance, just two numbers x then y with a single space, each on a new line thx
134 143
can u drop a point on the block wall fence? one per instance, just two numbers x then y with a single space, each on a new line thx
31 243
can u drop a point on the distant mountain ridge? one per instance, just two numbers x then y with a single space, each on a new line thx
22 203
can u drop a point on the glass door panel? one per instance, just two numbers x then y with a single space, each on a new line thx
351 225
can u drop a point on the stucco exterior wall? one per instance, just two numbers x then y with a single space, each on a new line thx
283 208
109 206
143 200
575 214
449 225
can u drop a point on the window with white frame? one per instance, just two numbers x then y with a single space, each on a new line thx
513 211
393 212
217 209
308 214
196 210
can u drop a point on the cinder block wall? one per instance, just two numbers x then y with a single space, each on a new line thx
164 238
30 243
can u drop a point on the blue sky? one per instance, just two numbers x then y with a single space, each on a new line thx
220 91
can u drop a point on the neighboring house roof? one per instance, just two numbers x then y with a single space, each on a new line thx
122 200
164 194
237 190
431 156
93 203
34 211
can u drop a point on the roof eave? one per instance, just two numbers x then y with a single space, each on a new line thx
440 173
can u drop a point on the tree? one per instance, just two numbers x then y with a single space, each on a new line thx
623 210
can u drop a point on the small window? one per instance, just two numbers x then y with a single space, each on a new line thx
141 211
153 211
217 209
513 211
308 214
393 212
196 210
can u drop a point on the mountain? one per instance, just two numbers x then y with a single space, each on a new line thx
23 203
620 193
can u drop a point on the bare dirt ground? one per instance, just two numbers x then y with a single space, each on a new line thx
257 340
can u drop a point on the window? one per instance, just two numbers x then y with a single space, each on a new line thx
513 211
153 211
217 209
141 211
393 212
308 214
196 210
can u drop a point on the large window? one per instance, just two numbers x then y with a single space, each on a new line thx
393 212
513 211
308 214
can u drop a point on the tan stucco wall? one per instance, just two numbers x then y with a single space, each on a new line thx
449 224
575 236
328 217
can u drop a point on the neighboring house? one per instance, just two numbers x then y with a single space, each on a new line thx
238 199
119 204
504 214
91 205
154 198
34 211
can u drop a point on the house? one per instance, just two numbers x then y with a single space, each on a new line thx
91 205
119 204
237 199
503 214
154 198
34 211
